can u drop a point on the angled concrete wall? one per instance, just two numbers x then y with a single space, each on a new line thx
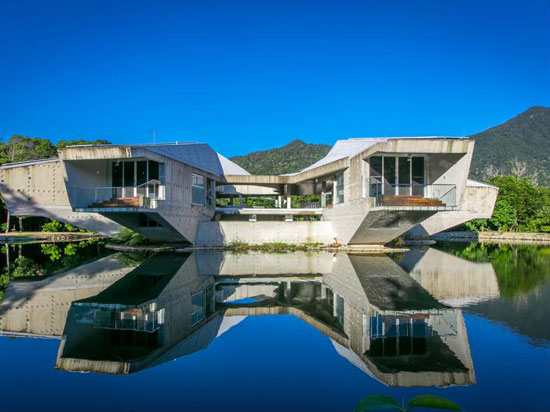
38 189
478 202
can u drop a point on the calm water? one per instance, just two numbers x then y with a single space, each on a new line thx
292 331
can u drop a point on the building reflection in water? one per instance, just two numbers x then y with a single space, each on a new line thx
392 318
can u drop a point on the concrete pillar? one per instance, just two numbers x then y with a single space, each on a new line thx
279 201
288 202
287 290
241 203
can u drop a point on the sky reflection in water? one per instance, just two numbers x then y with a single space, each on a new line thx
199 331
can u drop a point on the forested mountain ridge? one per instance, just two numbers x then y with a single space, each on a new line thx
520 147
290 158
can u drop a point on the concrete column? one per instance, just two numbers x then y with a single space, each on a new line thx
241 203
287 290
288 202
279 201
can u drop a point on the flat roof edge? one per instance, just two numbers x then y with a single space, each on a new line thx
28 162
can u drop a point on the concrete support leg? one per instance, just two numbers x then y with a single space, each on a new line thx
241 203
279 201
288 202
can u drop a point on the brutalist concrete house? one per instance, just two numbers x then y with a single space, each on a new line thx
366 191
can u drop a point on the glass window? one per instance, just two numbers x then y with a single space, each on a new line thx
340 310
129 174
141 167
197 307
375 182
340 188
404 174
418 175
153 170
198 192
389 175
117 174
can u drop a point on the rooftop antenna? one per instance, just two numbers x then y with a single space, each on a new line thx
154 133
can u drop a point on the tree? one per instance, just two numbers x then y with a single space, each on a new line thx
521 206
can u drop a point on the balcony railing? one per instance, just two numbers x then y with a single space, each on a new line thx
138 319
440 195
146 195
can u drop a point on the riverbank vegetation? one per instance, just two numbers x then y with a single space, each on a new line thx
519 268
41 259
274 247
521 206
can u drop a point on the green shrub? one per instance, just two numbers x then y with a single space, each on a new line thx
53 226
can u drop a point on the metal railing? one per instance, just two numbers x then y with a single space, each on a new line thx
444 193
145 195
138 319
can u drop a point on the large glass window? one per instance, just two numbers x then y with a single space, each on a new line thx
418 176
198 190
197 307
117 174
339 188
389 175
396 175
153 170
375 182
129 177
132 173
404 175
141 174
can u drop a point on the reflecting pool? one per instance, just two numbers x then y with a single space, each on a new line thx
280 331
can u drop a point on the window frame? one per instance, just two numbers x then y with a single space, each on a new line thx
203 188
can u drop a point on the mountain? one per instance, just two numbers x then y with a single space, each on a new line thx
287 159
520 146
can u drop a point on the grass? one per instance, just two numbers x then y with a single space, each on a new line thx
275 246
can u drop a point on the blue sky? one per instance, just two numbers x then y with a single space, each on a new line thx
251 75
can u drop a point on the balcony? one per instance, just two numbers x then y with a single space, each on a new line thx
145 196
439 196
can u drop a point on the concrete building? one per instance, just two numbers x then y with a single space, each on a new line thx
378 315
369 191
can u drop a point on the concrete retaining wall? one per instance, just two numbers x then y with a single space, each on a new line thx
256 233
543 238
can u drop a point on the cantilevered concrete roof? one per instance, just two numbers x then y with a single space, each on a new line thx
351 147
338 158
198 155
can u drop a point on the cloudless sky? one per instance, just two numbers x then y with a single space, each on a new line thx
251 75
